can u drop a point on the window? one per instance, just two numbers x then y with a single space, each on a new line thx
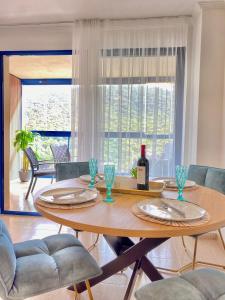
143 98
47 109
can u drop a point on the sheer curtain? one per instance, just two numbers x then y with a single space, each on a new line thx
129 83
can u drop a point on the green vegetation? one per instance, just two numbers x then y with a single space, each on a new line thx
141 109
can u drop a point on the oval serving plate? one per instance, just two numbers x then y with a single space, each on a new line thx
87 178
171 210
69 196
171 182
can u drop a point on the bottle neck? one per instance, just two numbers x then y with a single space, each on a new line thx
143 151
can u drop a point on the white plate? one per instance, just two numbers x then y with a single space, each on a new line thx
171 182
87 178
171 210
69 196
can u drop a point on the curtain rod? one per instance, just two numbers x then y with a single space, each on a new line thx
71 22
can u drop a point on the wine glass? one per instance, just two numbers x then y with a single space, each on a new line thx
181 177
93 169
109 175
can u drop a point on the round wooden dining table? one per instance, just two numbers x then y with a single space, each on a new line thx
118 224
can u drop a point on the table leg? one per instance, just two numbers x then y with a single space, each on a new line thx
127 254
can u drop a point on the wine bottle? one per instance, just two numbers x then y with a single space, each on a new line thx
143 171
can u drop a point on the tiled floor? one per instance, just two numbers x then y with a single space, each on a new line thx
18 192
170 254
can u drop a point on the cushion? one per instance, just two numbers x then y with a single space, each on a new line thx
215 179
197 174
54 262
202 284
7 260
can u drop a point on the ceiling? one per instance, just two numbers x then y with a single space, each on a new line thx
33 11
40 67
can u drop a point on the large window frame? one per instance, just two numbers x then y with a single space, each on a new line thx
10 53
179 91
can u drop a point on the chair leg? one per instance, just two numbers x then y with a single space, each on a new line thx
52 179
60 228
195 253
77 295
35 180
94 244
29 188
221 237
77 234
89 290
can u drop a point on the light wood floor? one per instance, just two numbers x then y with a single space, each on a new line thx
170 254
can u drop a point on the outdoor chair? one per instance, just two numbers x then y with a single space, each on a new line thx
39 266
201 284
60 153
38 169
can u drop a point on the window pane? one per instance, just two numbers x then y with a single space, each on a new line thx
46 107
140 114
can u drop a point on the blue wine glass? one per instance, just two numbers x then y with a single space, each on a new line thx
181 177
109 175
93 168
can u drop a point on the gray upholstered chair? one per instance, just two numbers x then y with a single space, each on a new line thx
197 174
68 170
215 179
35 267
202 284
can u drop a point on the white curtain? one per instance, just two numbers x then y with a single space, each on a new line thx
127 91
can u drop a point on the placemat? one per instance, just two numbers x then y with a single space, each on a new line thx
138 213
69 206
185 188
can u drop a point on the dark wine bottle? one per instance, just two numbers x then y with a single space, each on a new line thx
143 171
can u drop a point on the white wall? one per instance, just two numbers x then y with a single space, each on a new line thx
192 88
211 87
38 37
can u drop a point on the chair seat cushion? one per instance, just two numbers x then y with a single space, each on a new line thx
203 284
51 263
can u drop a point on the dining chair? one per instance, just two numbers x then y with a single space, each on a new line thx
35 267
197 173
201 284
60 152
38 169
69 170
213 178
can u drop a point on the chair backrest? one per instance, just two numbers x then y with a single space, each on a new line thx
60 153
71 170
7 261
215 179
32 158
197 174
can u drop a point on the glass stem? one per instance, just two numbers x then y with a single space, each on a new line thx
108 193
180 194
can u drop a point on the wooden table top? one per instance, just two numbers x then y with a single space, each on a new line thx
117 219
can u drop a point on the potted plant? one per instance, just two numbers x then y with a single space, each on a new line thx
23 139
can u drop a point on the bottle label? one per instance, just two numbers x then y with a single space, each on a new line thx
140 175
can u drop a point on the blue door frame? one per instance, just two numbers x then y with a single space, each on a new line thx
2 54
